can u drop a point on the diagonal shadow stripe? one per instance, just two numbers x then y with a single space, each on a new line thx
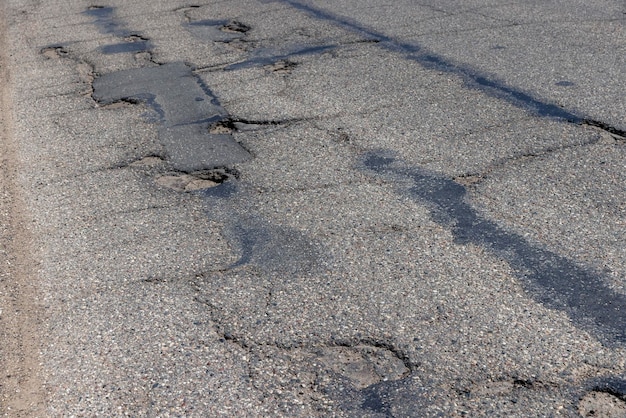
551 279
472 78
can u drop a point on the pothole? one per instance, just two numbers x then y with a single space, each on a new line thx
235 27
282 67
145 58
231 125
54 52
136 38
364 365
224 126
120 104
199 180
601 404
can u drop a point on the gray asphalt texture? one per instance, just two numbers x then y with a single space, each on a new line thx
326 208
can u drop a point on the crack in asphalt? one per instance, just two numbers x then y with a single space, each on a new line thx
475 177
618 134
360 362
473 78
266 248
267 56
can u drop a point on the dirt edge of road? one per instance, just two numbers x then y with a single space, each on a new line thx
22 392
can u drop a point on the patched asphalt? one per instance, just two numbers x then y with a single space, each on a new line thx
313 208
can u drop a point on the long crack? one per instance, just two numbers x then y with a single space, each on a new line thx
618 134
470 179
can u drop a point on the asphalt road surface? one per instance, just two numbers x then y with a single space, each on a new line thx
313 208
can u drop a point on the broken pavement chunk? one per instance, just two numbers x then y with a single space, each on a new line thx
185 182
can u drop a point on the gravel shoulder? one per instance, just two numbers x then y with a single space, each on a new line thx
21 390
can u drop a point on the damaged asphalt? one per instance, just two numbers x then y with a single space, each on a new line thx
314 208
